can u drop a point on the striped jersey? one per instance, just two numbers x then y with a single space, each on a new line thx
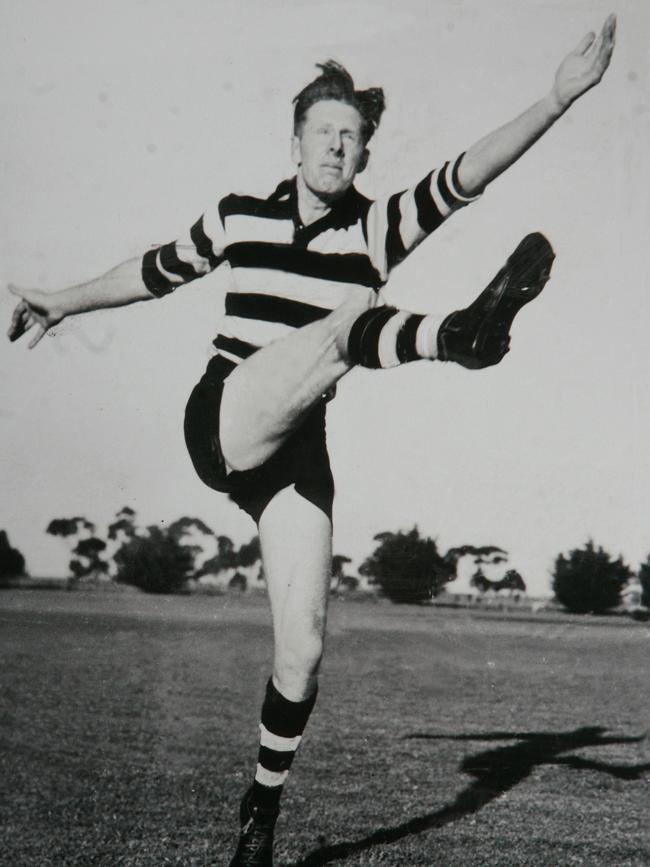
286 275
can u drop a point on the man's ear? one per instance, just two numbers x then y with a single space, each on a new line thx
363 160
296 155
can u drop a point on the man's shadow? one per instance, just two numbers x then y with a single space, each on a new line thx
494 772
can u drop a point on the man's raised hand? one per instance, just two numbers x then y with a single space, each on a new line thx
34 308
585 66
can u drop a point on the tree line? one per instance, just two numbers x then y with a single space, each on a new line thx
405 566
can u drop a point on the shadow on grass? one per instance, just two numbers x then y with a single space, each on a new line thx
494 771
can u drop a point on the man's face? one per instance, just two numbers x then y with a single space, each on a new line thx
329 148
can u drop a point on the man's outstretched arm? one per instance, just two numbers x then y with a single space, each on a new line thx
160 271
120 286
579 72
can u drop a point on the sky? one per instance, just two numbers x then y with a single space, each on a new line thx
123 120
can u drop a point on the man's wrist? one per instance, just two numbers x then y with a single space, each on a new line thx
554 105
66 304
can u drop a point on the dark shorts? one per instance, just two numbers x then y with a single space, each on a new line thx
301 461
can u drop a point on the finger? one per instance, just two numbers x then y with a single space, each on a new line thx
20 322
21 328
609 27
606 35
17 315
36 339
585 43
24 328
606 43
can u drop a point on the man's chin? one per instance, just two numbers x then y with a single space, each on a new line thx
330 191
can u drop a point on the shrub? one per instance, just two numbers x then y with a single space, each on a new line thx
155 562
407 567
588 580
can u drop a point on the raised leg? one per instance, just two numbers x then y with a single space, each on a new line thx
266 397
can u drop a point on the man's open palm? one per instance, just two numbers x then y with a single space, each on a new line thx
586 65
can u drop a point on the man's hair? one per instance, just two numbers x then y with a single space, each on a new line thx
335 82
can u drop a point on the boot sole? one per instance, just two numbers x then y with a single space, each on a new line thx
519 282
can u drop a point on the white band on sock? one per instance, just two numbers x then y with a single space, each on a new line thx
387 347
278 743
270 778
426 338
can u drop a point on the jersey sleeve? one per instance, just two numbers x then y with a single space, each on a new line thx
397 225
193 255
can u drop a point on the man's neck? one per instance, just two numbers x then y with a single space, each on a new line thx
311 207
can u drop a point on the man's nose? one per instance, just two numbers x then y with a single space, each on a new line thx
336 144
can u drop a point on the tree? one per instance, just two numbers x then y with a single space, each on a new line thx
184 526
66 527
482 554
408 568
86 546
588 580
644 579
338 571
12 562
123 525
249 553
512 580
481 582
91 564
154 561
191 533
225 558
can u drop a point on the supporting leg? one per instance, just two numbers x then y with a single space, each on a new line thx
297 573
296 541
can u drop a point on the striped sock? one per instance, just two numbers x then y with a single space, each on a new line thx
281 728
386 337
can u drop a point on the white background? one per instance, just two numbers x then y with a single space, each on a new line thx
122 120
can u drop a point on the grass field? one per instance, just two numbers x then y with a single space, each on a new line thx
129 728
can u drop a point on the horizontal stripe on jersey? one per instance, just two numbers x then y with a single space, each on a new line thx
234 347
297 287
249 206
272 309
337 267
284 274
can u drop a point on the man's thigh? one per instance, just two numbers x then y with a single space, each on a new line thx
301 461
296 541
272 391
